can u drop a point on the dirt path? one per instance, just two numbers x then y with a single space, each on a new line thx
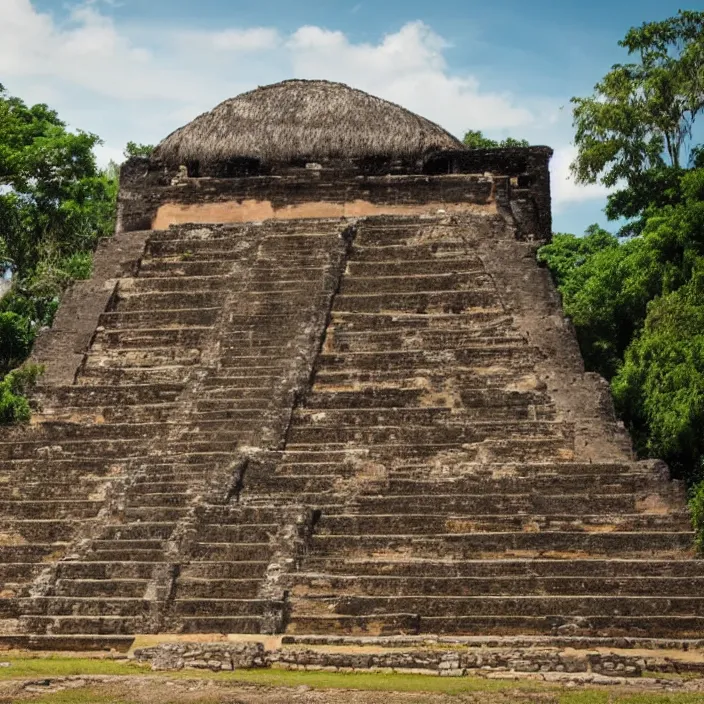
151 690
161 690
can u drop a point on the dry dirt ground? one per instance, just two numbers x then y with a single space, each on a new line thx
162 690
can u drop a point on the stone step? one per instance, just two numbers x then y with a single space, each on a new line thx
109 396
238 533
75 488
414 398
141 358
167 500
71 433
31 552
367 344
428 416
152 413
334 586
83 625
99 571
519 569
182 300
414 283
446 265
98 588
519 371
122 319
225 571
86 606
406 434
158 514
406 494
231 552
650 626
220 624
493 451
124 339
484 605
425 524
419 302
43 531
497 504
305 477
56 509
408 321
483 545
220 607
126 544
152 532
456 360
17 572
189 588
88 448
407 252
128 555
156 268
203 282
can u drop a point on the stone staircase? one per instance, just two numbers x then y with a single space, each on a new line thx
448 490
337 427
200 354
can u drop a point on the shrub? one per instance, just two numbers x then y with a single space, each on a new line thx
696 507
78 266
14 406
16 338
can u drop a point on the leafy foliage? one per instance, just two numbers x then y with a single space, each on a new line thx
16 338
474 139
638 308
55 204
660 386
14 407
696 509
636 130
638 303
141 150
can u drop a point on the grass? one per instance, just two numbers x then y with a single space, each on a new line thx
61 666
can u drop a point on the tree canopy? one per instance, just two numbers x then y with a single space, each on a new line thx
55 204
635 131
637 301
474 139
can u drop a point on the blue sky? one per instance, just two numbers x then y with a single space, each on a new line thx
137 69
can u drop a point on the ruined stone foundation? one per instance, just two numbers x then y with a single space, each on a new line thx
362 426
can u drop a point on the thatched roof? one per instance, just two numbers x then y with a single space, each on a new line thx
312 120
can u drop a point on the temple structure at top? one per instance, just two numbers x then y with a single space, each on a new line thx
318 384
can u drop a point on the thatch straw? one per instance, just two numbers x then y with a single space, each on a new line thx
312 120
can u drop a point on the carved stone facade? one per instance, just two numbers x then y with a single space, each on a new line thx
324 400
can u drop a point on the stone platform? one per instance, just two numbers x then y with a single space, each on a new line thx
368 426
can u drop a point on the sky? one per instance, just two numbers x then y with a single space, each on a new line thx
135 70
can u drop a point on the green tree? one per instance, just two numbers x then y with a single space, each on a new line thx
659 390
55 200
636 129
55 204
135 149
638 309
474 139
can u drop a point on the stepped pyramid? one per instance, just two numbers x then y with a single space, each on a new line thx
318 384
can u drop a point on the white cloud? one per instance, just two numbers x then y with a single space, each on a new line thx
564 190
407 67
126 83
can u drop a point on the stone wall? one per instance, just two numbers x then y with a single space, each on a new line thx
515 180
445 660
